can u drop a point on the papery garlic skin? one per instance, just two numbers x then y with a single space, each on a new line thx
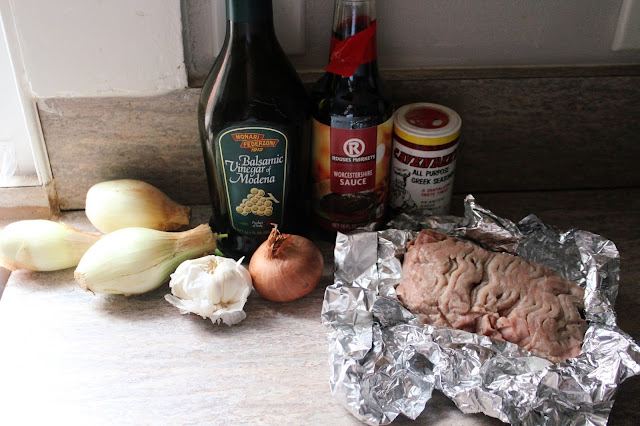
213 287
126 203
43 245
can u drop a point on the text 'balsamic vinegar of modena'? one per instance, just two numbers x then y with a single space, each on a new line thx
352 125
254 120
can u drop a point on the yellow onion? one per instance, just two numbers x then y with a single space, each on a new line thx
137 260
127 203
43 245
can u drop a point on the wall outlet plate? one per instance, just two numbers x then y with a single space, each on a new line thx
627 36
288 20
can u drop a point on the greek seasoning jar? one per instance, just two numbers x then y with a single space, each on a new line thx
423 160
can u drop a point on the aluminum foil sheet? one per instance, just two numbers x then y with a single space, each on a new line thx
385 363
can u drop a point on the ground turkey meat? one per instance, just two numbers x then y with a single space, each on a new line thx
453 283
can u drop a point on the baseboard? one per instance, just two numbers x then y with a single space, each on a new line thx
28 202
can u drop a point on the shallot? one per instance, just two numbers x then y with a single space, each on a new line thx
286 267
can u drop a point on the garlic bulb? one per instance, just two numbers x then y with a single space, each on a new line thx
137 260
43 245
126 203
213 287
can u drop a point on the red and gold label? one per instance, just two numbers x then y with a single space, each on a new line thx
350 173
353 160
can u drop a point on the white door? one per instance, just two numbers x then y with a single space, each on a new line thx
23 159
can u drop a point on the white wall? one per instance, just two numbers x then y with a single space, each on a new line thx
101 47
477 33
134 47
451 33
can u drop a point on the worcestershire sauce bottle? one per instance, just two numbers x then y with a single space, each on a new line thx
352 126
253 117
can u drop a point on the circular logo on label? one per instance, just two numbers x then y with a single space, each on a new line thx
353 147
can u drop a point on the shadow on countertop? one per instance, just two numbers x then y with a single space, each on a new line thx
4 277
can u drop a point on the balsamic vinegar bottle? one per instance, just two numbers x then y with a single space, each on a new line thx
253 117
352 126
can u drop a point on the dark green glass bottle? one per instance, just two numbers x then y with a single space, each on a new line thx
253 118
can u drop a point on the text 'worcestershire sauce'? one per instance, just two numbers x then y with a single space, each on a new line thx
352 126
253 117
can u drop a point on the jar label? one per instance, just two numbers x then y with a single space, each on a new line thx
422 177
350 174
253 161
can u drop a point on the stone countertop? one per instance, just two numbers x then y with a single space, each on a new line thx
4 277
72 356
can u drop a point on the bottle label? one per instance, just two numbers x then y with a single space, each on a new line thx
253 161
350 173
353 159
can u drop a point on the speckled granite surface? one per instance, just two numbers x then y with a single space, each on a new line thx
74 357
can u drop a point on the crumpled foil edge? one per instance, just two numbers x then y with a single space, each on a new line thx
385 363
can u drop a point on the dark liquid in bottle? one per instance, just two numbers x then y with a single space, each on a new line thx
252 85
360 101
